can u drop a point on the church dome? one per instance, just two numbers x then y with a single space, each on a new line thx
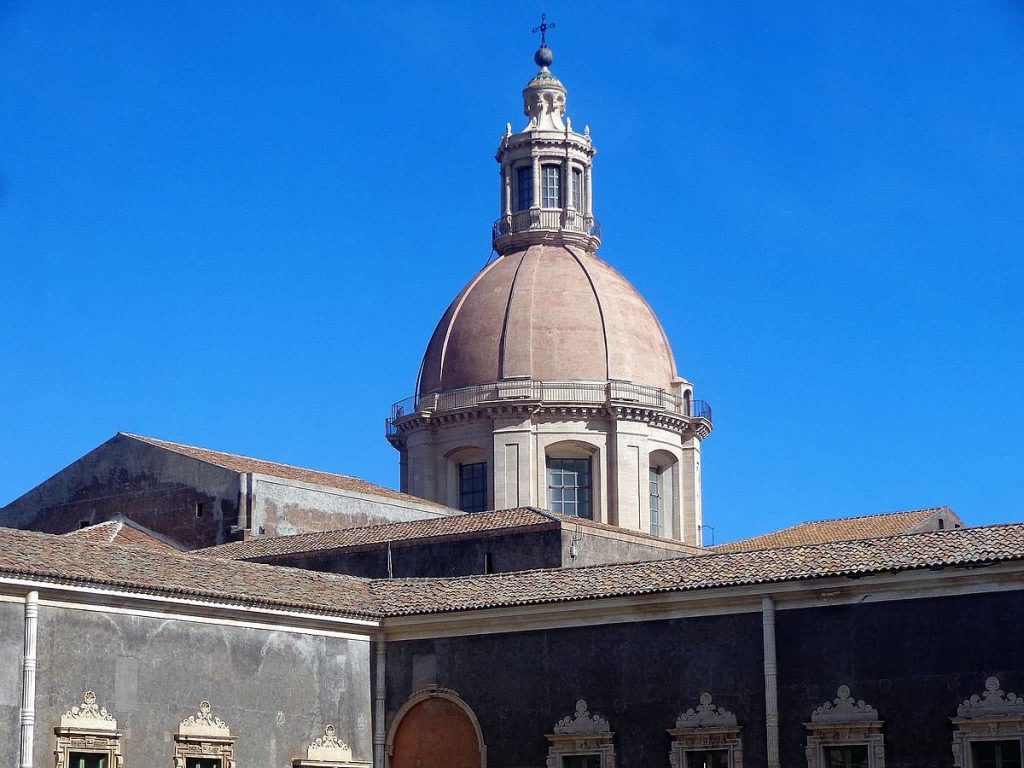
547 313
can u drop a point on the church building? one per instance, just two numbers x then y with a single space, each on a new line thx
538 593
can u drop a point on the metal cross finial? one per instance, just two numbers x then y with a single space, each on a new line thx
543 28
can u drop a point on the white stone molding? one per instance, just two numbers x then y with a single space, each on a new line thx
88 727
708 726
433 691
328 751
204 735
581 733
845 721
992 714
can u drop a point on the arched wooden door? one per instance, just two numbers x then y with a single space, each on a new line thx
436 732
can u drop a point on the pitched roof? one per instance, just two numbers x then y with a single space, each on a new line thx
324 541
80 560
66 558
122 532
239 463
961 546
841 529
476 523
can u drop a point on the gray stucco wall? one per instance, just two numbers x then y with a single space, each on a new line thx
11 654
275 689
285 508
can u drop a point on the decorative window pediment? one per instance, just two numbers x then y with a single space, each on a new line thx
88 728
706 727
204 736
992 715
845 723
581 734
328 751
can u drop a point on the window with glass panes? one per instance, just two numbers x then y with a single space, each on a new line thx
581 761
473 487
577 189
569 486
524 188
88 760
655 489
996 754
708 758
551 187
850 756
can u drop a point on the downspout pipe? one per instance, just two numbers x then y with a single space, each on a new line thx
771 682
379 731
28 686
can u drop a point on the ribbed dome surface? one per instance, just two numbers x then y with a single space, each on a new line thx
549 313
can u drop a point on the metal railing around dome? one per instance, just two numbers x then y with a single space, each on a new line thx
546 218
547 393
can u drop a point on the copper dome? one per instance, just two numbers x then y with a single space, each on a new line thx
548 313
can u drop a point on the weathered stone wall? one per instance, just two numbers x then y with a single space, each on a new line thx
154 487
915 661
274 688
284 508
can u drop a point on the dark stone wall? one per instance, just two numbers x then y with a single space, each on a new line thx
275 689
640 676
459 557
156 488
915 661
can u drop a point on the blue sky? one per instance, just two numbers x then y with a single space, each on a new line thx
235 225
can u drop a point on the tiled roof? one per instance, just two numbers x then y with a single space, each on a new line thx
265 548
883 555
121 532
66 558
246 464
839 529
69 558
478 522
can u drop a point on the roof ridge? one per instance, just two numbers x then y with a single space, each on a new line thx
172 445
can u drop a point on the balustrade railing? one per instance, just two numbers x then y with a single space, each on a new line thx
546 219
548 393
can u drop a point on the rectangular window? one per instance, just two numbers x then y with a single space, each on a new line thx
577 189
581 761
708 758
995 754
655 489
551 192
852 756
87 760
473 487
569 486
524 188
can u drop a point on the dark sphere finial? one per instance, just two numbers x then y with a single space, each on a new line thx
544 56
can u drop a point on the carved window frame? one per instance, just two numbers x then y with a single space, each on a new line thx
992 715
328 751
89 728
845 722
204 736
581 733
706 727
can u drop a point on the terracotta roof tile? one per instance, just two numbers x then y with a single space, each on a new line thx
69 558
839 529
121 532
324 541
287 471
864 556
